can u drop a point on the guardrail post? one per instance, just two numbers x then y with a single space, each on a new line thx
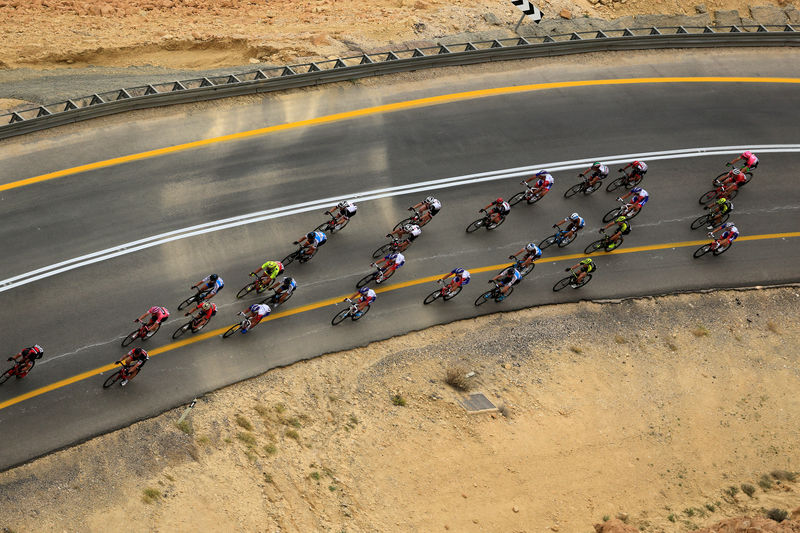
548 39
43 112
735 29
150 90
681 29
313 68
627 33
391 56
522 41
206 83
496 44
469 47
788 27
178 86
260 75
575 37
233 79
600 35
761 28
15 118
70 105
287 71
96 100
339 63
123 94
418 53
443 49
365 60
654 31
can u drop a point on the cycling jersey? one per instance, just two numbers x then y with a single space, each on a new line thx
640 167
32 353
397 260
533 250
587 265
576 224
461 279
750 161
158 314
349 209
272 268
142 357
546 182
319 239
640 197
724 205
262 310
601 171
290 288
215 287
369 297
502 208
434 206
414 231
514 274
207 314
622 225
731 233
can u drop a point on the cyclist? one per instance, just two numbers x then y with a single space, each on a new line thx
286 288
638 196
497 210
460 278
363 298
132 363
255 313
427 209
638 170
734 177
506 279
391 262
212 284
575 224
718 208
25 358
344 210
544 181
311 241
271 270
529 250
599 172
206 311
749 158
623 228
584 267
157 316
407 232
728 235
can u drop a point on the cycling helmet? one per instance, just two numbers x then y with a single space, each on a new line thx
458 271
736 172
747 153
721 201
727 225
636 163
310 236
363 290
343 204
531 247
636 190
213 277
287 281
254 308
541 173
430 199
499 201
574 216
596 164
206 306
138 351
408 228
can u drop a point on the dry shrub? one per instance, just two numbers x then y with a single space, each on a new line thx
456 377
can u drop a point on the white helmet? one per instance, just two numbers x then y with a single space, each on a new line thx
430 199
408 228
574 216
531 247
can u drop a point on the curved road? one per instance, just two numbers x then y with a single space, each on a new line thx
80 315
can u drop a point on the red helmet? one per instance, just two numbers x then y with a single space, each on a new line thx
499 201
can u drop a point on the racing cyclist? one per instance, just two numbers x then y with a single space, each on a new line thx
255 313
407 232
271 270
529 250
749 158
575 224
427 209
496 210
361 299
638 170
544 181
343 211
728 235
311 241
584 267
505 279
212 284
132 363
390 262
205 311
734 177
157 316
286 288
25 358
599 172
623 228
460 278
638 196
718 208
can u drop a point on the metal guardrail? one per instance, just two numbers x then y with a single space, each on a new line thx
349 68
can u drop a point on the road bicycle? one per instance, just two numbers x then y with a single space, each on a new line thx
124 373
331 226
714 247
494 293
416 218
274 299
259 285
195 298
351 312
396 245
706 220
141 333
446 292
195 324
530 195
485 222
583 187
572 280
560 238
19 370
604 244
380 275
243 325
747 177
625 210
301 255
628 180
523 266
728 192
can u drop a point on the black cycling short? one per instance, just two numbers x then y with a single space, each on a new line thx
433 211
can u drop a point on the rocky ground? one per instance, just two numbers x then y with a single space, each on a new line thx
659 414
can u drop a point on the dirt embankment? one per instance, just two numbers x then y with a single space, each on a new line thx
669 413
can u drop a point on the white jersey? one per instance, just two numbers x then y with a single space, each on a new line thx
350 209
602 170
263 310
435 204
399 259
641 166
369 296
414 230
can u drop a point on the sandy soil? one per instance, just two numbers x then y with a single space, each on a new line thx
202 34
649 410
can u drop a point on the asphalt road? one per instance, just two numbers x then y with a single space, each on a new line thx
80 316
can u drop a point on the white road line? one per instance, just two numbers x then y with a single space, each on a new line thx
456 181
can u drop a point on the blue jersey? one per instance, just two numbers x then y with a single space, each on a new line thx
319 238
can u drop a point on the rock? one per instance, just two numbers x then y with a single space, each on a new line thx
729 17
701 8
565 14
254 60
491 18
196 35
795 514
515 509
554 528
793 14
645 21
768 15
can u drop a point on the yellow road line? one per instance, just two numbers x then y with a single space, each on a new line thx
394 287
385 108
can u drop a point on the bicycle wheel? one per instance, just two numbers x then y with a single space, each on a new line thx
360 316
715 182
575 189
732 194
707 197
340 316
703 250
432 297
246 289
181 330
151 333
562 283
532 199
334 228
403 222
231 330
596 245
549 241
198 327
500 297
524 271
617 184
289 259
383 250
113 378
7 374
517 198
452 294
589 190
701 221
566 240
583 282
721 249
485 297
475 225
386 275
722 220
747 177
305 258
611 215
130 338
188 301
366 279
325 227
612 246
493 225
275 300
